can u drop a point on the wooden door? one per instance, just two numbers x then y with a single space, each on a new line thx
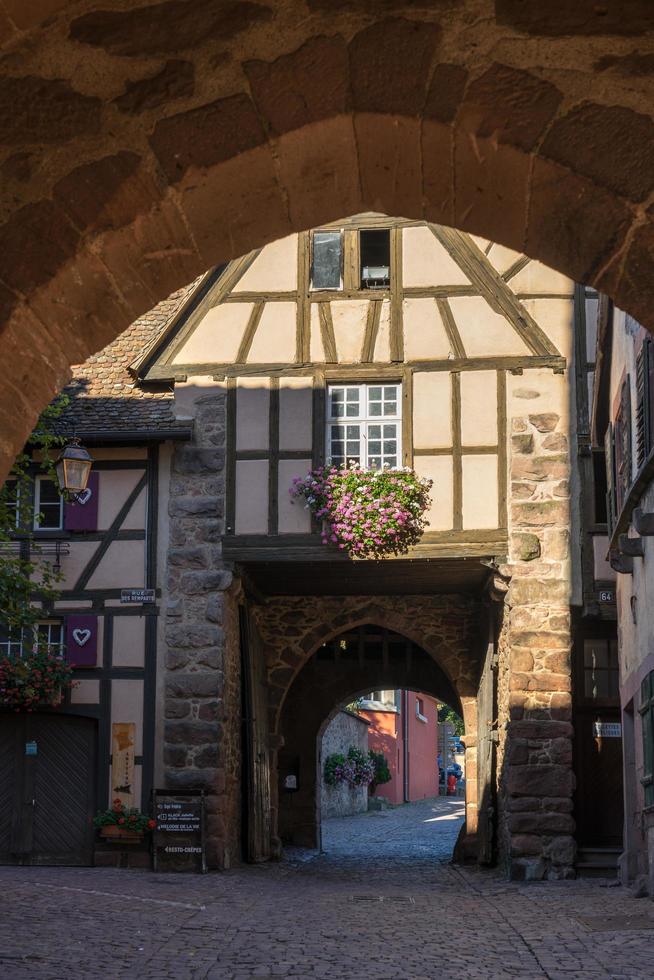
256 802
486 755
598 796
47 789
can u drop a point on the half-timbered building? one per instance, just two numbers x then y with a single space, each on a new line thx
393 343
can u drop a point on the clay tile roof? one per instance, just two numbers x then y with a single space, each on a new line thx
105 396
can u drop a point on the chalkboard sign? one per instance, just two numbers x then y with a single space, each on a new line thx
178 840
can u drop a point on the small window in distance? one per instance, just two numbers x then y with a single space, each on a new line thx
601 671
599 487
11 501
48 505
375 255
327 260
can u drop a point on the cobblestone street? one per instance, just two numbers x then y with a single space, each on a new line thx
380 903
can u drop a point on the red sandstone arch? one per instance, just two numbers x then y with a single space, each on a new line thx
142 142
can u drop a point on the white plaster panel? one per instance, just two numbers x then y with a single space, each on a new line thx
439 469
316 348
251 515
483 331
123 567
432 409
115 487
292 516
252 407
85 692
502 258
217 337
273 270
478 408
602 570
274 340
73 564
295 413
67 604
555 317
480 509
187 393
382 351
349 318
424 333
128 641
426 263
539 278
127 706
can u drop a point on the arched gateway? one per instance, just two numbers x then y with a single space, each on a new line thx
145 142
386 340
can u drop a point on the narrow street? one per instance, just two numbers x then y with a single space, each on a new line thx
379 903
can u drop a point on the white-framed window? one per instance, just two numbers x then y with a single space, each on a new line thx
420 710
364 424
48 505
11 642
13 502
47 636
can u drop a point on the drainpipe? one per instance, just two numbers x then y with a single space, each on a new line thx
405 740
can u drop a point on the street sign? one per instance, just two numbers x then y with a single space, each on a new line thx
607 729
137 595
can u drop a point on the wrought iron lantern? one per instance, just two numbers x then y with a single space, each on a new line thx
73 468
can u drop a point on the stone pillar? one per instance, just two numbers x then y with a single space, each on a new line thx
535 764
202 663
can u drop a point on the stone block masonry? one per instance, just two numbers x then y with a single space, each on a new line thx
202 699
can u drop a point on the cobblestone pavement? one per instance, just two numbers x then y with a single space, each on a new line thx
376 905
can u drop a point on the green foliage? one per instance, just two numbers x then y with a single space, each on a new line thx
129 818
449 714
382 772
23 575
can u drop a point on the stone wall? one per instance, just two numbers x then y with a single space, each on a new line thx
343 731
202 704
536 777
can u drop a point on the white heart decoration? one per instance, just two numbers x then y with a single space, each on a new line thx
81 636
84 496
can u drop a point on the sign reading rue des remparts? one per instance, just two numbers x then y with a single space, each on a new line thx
137 596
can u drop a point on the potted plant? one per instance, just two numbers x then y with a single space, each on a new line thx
368 513
355 768
37 679
123 825
382 773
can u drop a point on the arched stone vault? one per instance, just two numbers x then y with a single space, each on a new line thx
143 142
447 634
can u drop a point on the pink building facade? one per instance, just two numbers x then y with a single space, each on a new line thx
404 726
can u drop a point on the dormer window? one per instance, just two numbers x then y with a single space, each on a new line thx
375 258
327 260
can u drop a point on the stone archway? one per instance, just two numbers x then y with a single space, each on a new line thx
145 142
303 690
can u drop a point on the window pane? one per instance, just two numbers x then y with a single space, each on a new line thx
596 653
326 264
49 505
336 403
375 251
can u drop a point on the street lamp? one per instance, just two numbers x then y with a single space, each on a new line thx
73 468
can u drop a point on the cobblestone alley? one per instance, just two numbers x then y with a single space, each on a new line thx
380 903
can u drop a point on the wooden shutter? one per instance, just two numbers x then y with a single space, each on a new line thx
82 514
623 446
642 406
82 640
609 456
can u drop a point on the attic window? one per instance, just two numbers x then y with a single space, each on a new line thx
327 260
375 255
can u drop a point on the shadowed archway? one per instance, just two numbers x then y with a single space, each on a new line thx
145 143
